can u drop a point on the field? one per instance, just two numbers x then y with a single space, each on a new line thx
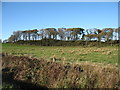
71 54
59 67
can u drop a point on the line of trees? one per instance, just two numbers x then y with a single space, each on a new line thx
105 34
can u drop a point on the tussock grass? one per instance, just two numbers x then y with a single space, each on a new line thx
62 75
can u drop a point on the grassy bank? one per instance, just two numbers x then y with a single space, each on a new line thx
57 75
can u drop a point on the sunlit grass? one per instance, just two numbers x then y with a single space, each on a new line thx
108 55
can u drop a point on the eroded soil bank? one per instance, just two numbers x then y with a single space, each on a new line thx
49 74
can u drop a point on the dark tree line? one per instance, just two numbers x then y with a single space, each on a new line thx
66 34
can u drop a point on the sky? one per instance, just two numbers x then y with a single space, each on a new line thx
37 15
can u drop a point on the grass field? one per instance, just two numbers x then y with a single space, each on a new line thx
59 67
71 54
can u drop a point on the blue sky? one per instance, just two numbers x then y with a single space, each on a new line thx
37 15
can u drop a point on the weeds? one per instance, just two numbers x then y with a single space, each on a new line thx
62 75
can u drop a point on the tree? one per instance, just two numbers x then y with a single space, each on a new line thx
52 33
101 34
0 40
48 32
28 34
88 35
11 38
97 33
43 33
5 41
61 33
24 34
108 33
34 34
68 34
117 35
17 35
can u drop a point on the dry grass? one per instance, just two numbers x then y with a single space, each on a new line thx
62 75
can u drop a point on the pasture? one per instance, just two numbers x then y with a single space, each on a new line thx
59 66
71 54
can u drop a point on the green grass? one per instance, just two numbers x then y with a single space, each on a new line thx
9 86
107 55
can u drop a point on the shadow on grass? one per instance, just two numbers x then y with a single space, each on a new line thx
9 82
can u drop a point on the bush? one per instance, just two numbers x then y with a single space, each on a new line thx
53 42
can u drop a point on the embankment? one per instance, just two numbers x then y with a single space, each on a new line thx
58 75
